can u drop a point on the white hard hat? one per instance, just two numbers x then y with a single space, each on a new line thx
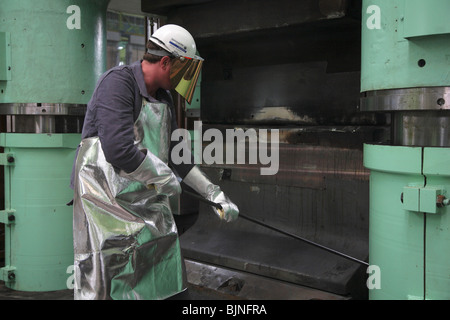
176 40
179 44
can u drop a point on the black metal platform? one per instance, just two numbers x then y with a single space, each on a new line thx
244 246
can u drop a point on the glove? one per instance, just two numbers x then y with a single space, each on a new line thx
198 181
154 173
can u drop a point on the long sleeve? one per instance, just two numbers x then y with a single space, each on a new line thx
113 109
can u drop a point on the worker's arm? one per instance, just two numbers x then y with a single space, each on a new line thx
114 120
197 180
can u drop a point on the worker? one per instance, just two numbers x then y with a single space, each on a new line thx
126 243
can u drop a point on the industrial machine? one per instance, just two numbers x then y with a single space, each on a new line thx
350 97
51 55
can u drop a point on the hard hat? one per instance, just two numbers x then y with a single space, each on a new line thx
179 44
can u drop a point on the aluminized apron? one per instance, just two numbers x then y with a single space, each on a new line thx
125 239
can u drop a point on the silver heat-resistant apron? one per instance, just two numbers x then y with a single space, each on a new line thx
125 239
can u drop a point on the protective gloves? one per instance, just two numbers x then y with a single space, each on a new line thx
197 180
154 173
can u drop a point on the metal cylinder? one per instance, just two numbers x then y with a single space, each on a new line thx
43 117
420 128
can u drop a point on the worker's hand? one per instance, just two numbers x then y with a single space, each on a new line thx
229 211
197 180
169 185
154 173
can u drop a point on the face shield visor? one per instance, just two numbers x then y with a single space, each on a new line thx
184 74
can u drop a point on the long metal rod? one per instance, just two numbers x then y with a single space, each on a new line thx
217 205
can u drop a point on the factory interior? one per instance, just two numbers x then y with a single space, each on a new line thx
351 99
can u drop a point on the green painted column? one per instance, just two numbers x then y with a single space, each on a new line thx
405 70
38 239
395 236
51 56
409 232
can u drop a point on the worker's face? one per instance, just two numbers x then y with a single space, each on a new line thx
180 74
166 64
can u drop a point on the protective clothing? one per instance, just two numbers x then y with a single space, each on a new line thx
179 44
197 180
125 238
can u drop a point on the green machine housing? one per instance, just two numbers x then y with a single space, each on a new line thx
51 55
406 73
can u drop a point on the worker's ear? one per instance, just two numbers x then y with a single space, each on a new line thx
165 62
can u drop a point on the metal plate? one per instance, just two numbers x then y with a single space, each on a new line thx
233 284
431 98
42 109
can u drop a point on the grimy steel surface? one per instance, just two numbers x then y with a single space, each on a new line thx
327 204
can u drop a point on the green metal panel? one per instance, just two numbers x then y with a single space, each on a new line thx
389 60
39 244
437 161
395 235
5 56
399 160
19 140
411 195
409 240
58 50
425 18
437 232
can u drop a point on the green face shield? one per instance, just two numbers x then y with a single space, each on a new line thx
184 75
